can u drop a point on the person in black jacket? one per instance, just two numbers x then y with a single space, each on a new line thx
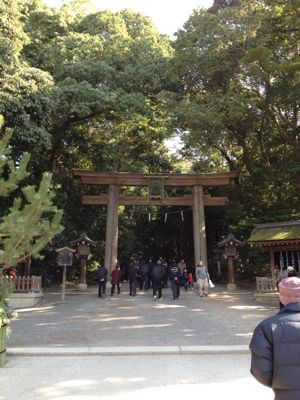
144 281
102 279
175 278
134 274
157 277
275 345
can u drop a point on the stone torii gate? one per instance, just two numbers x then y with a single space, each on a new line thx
113 199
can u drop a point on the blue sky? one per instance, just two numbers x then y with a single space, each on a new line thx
167 15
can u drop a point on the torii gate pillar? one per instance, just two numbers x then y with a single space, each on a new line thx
200 251
111 240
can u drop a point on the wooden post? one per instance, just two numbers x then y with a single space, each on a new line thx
82 277
272 260
231 278
111 240
219 268
203 248
115 232
27 262
200 251
63 288
196 224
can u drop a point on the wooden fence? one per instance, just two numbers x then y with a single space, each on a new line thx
25 283
265 284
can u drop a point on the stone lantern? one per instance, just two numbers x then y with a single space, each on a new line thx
230 245
83 249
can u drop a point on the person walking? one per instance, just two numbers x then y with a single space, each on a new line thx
185 279
157 276
134 273
175 278
165 270
116 279
102 279
181 264
202 278
275 345
147 274
191 281
144 270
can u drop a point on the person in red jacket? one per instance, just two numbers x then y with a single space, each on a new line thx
116 279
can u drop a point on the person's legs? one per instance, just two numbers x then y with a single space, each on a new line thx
205 287
112 289
118 288
134 285
101 289
147 282
200 282
178 291
174 288
154 286
160 283
142 282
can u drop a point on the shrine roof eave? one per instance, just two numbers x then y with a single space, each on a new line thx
281 232
230 238
275 243
83 238
141 179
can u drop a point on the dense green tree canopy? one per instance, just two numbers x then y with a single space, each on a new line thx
88 92
102 90
239 67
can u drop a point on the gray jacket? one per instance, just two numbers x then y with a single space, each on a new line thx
275 350
201 272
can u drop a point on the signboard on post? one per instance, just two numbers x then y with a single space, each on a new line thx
230 251
64 259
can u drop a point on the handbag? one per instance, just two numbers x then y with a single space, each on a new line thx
210 284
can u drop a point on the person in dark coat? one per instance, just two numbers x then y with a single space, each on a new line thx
175 278
116 279
134 273
102 279
150 269
157 277
144 281
275 345
165 277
